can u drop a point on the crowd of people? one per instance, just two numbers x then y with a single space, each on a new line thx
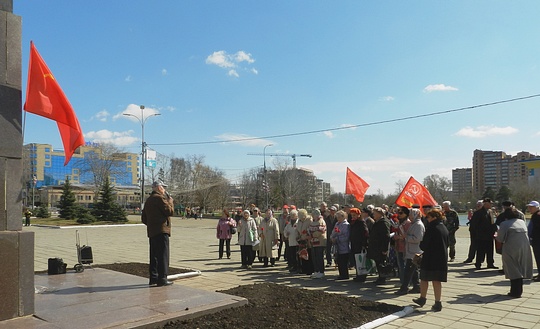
341 237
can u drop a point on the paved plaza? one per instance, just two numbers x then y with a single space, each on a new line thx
471 298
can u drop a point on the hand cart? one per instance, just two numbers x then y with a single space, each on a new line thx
84 254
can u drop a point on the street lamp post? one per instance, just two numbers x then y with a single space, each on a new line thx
142 120
34 181
266 187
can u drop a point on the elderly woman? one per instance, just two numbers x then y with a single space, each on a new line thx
413 237
434 265
317 240
358 238
269 234
379 241
516 251
224 234
304 248
290 233
340 238
247 235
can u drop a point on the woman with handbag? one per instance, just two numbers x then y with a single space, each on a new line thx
379 241
358 238
434 266
224 233
413 237
247 237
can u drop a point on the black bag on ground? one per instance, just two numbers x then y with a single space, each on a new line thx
386 269
56 266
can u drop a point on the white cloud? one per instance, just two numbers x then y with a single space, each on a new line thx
164 72
232 62
240 139
328 134
221 59
135 113
241 56
439 87
111 137
386 99
128 78
102 115
393 164
486 131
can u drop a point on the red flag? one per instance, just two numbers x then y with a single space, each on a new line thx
355 185
415 193
45 97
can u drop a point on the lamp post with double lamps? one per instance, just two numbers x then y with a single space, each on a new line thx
142 120
265 183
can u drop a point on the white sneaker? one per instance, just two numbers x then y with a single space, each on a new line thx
315 275
320 276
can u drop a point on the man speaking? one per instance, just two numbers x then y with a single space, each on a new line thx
156 215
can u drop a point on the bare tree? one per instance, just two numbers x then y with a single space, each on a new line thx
439 187
103 162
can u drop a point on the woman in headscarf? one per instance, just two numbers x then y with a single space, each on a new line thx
304 248
224 235
269 235
413 237
290 233
516 251
247 235
317 240
340 238
434 265
379 241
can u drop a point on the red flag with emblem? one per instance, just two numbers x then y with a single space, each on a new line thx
355 185
415 193
45 97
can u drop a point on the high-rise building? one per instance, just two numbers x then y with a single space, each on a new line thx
462 182
494 169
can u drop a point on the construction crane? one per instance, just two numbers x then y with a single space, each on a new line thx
293 156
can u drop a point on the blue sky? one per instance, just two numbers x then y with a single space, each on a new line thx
222 70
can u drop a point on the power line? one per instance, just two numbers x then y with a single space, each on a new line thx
355 126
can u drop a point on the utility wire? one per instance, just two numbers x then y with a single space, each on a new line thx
356 126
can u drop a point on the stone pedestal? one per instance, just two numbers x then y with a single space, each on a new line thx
16 246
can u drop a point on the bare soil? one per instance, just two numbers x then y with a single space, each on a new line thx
278 306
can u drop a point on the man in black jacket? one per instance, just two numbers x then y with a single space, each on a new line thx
483 224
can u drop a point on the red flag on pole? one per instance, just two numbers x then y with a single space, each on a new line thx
45 97
355 185
415 193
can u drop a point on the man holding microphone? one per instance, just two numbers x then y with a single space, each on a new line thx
156 215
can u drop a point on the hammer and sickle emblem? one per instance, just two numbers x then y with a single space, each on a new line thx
415 190
48 75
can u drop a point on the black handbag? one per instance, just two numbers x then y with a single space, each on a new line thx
233 230
386 269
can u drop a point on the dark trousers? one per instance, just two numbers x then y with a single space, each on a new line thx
472 248
306 266
247 255
342 261
516 287
318 258
27 223
484 250
410 276
292 260
536 252
328 251
159 256
227 243
452 246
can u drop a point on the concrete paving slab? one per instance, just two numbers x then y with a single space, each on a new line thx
100 298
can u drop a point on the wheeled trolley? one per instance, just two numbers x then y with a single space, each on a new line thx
84 254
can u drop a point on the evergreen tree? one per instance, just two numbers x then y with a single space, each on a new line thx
106 208
68 208
43 212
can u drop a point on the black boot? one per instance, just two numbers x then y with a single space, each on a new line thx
437 307
421 301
